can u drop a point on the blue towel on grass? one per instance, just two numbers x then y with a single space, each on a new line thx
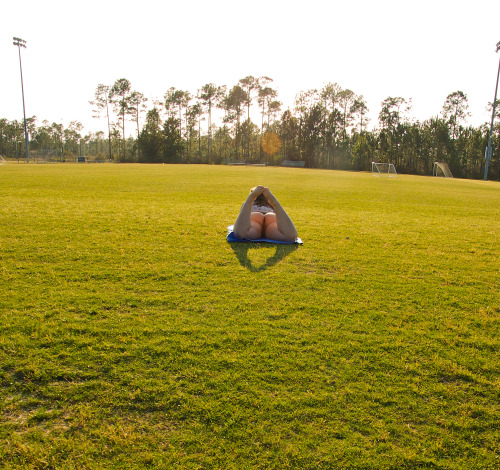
231 237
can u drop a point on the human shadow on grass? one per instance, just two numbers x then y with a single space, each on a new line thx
241 251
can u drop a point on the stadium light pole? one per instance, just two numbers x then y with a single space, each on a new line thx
22 43
489 149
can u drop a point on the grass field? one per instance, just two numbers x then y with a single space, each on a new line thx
132 335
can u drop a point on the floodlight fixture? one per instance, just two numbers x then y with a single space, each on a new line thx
489 149
22 43
19 42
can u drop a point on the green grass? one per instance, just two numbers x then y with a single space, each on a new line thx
132 335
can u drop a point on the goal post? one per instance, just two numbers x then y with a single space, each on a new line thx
442 170
2 160
383 169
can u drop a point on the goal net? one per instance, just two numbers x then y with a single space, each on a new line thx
43 155
2 160
441 169
383 169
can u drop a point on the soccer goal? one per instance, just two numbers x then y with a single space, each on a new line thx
441 169
383 169
2 160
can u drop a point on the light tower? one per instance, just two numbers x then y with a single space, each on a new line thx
22 43
489 149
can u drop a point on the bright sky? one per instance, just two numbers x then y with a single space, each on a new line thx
422 50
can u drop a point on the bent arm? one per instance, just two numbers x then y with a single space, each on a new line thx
243 227
243 222
284 223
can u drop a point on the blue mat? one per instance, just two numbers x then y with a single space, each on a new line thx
231 237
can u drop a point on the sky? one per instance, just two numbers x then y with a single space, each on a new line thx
420 50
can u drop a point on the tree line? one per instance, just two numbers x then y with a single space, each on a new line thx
327 128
